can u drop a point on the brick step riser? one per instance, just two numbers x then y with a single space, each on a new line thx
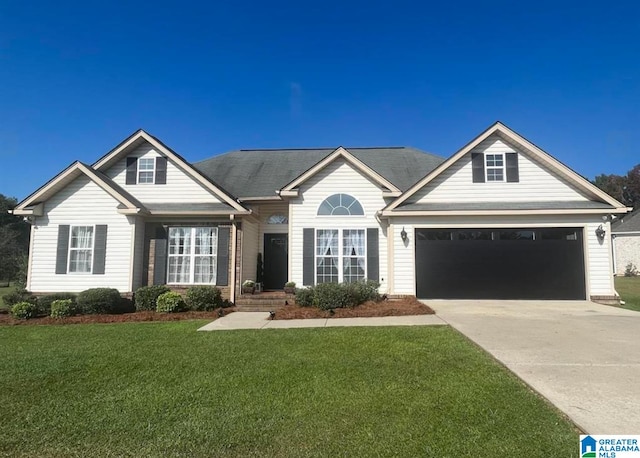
240 302
255 308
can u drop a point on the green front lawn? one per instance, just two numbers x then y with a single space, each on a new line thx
162 389
629 290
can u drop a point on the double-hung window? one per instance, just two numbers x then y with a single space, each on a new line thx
146 170
81 249
494 167
340 255
192 255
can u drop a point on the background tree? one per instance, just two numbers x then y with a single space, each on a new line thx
625 188
14 241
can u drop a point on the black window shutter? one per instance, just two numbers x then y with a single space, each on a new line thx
160 257
308 256
100 249
512 168
63 249
132 170
477 164
223 257
373 258
161 170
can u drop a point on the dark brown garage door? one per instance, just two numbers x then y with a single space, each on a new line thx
521 263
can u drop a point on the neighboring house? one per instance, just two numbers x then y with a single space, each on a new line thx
625 235
500 219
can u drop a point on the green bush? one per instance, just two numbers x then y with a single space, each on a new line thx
63 307
100 300
333 296
24 310
146 296
304 296
204 298
327 296
171 302
45 302
364 291
19 295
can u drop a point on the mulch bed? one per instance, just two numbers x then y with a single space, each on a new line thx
8 320
390 307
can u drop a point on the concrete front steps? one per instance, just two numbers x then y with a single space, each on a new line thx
264 302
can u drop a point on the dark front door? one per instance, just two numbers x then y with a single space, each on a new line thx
522 263
275 260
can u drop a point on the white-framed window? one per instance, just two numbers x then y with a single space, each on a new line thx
494 167
192 257
278 218
146 170
340 205
340 255
81 241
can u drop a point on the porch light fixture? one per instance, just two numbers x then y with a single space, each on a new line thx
403 235
600 232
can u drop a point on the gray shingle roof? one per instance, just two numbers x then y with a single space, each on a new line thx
258 173
463 206
189 207
627 223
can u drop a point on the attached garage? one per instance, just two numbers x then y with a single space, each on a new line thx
506 263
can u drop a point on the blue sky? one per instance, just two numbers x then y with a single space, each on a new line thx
77 78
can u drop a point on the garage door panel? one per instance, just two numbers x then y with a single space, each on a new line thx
462 268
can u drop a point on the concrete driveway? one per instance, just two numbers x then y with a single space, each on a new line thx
583 357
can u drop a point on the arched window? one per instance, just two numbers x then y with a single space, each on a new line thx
278 219
340 205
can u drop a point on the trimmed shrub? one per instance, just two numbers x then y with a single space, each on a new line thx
364 291
19 295
204 298
99 300
304 296
226 303
171 302
146 296
45 302
63 307
24 310
333 296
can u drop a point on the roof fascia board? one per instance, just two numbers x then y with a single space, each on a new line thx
442 167
574 211
537 152
69 172
186 167
340 152
197 212
555 164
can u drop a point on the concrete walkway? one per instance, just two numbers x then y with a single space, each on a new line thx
583 357
260 320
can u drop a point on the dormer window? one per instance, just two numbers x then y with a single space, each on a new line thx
146 170
494 167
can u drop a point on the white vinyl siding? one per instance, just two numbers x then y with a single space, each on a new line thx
180 187
337 177
81 203
536 182
597 255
